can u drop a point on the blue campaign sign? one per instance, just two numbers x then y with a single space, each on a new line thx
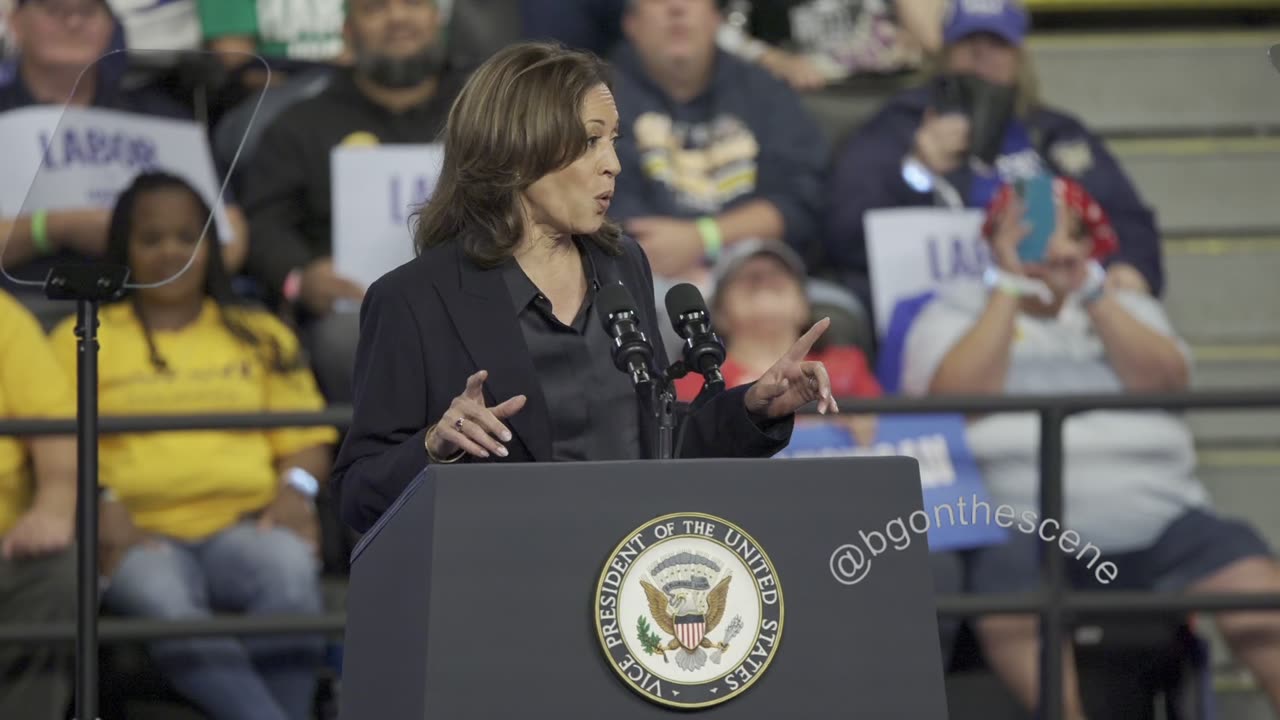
954 493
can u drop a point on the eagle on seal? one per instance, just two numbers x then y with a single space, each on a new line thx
685 605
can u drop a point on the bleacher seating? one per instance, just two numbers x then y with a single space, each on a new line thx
1223 289
1133 669
1162 83
1205 185
1194 118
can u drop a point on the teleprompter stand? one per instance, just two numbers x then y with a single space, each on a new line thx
89 285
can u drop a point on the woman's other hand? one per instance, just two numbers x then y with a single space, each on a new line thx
469 427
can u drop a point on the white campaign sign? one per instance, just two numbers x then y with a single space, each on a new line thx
911 251
77 158
375 190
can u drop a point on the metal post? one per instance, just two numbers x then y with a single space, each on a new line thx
89 284
1052 566
666 423
87 511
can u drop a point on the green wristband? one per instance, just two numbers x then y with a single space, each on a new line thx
712 238
40 232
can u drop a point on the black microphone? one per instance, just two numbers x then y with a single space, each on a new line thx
632 352
702 350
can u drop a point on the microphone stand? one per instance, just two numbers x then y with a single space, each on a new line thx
89 285
666 423
659 402
666 409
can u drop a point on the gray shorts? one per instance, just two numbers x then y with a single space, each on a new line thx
1193 547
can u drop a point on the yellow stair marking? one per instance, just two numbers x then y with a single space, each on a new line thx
1194 145
1220 245
1265 352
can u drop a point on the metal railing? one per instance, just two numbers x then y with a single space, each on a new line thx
1054 603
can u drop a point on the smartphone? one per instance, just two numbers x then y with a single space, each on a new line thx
1039 213
950 95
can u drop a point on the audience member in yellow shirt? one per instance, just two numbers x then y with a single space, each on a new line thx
37 514
206 521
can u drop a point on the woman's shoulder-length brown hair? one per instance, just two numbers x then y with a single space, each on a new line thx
517 119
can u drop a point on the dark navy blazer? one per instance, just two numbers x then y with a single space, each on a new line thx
428 325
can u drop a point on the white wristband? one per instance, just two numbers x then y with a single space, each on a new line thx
1095 284
916 175
1016 285
302 481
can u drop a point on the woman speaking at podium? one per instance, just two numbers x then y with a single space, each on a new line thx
488 346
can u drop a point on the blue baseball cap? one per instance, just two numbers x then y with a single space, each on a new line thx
1005 18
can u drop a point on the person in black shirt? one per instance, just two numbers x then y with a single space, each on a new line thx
489 347
578 378
397 92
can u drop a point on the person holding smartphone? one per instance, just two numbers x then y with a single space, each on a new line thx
977 125
1048 323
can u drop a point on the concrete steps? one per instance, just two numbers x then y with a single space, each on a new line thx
1245 484
1122 84
1206 185
1167 83
1224 293
1223 298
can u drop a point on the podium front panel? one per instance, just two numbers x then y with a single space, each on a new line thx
514 556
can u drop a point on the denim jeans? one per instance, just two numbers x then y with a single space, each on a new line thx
238 570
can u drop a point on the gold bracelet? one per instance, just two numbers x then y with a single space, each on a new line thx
426 443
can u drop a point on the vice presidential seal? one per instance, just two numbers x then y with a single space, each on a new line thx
689 610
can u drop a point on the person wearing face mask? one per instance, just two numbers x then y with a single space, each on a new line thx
398 90
1054 325
976 125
